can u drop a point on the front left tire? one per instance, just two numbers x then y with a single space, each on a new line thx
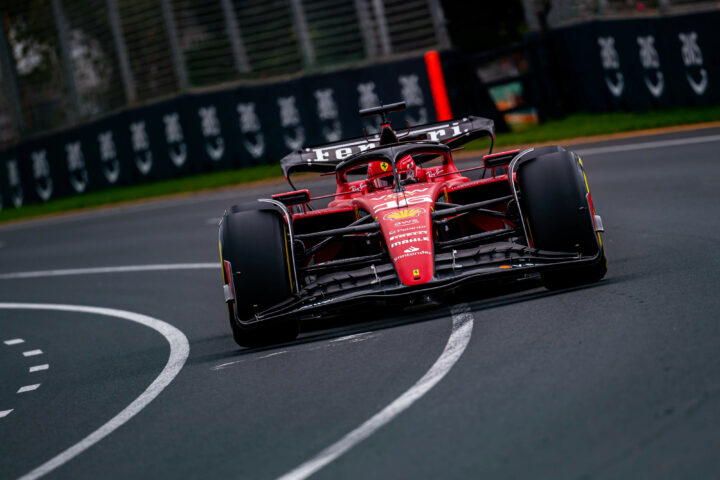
255 243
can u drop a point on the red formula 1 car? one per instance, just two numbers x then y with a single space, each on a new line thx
405 227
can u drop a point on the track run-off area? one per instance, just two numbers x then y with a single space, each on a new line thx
116 358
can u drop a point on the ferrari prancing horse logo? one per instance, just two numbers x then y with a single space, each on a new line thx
384 166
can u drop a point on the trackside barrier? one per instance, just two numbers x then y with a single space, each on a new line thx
201 132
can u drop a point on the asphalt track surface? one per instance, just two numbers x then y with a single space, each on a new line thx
617 380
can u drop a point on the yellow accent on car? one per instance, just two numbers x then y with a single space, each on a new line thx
384 166
405 213
287 259
222 265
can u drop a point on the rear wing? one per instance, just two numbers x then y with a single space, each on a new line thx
324 158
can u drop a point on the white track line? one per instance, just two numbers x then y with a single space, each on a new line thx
28 388
38 368
32 353
459 338
645 145
179 350
118 269
14 341
5 413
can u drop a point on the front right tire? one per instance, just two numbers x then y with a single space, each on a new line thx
554 198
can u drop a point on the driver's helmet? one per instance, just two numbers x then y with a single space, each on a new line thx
406 170
380 174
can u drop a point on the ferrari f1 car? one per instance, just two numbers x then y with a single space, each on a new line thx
405 227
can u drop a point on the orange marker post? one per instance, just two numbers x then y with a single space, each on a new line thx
437 85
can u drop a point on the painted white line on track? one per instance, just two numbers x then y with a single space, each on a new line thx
28 388
461 331
117 269
179 350
5 413
14 341
38 368
645 145
32 353
274 354
357 336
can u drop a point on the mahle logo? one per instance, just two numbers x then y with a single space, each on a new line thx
404 213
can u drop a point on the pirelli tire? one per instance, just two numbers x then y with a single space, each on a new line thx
554 198
255 242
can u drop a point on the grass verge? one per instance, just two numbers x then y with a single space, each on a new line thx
573 126
586 124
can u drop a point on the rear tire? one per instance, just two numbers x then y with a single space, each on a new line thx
255 244
553 193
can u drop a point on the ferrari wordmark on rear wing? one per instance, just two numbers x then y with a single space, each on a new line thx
324 158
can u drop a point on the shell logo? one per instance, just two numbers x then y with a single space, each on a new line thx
404 213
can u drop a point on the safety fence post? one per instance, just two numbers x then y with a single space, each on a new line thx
63 38
302 32
171 28
121 49
233 30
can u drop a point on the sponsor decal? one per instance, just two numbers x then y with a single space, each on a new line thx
651 63
408 234
413 254
611 65
403 202
693 59
392 196
409 240
411 250
404 213
404 223
416 273
384 166
212 132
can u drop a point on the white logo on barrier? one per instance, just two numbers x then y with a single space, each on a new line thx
608 54
16 190
108 156
692 57
210 125
250 124
290 118
327 110
611 61
41 173
650 60
413 97
368 99
141 147
76 166
175 139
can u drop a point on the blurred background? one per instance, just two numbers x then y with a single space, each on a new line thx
69 63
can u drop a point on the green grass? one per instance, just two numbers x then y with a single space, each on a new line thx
579 125
146 190
586 124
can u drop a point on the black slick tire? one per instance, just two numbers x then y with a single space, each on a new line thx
256 245
553 192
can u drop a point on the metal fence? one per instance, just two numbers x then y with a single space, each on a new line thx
67 61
